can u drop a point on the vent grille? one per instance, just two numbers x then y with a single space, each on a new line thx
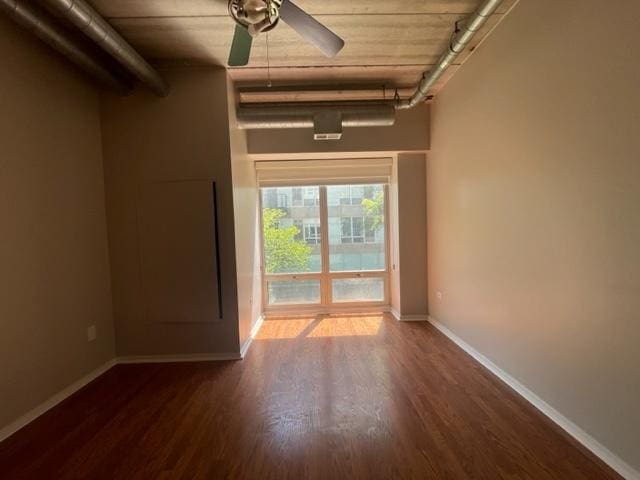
327 136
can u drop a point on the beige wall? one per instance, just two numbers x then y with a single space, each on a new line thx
533 203
163 252
245 206
412 236
408 133
54 270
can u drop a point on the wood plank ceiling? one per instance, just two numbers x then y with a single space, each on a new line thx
389 43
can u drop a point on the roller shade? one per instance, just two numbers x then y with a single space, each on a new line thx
326 172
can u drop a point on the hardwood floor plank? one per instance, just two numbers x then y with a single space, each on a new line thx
361 397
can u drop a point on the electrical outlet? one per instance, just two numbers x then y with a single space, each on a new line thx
439 295
91 333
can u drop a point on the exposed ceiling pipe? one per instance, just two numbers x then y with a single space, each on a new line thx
83 16
301 115
49 31
459 41
327 120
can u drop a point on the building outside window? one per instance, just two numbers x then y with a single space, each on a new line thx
347 195
358 230
311 197
352 230
312 231
302 196
309 230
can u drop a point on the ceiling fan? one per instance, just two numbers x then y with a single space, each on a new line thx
254 17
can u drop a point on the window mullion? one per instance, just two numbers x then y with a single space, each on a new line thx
324 255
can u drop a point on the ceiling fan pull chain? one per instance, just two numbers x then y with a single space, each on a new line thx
268 63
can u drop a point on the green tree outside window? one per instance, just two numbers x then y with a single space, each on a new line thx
284 251
374 209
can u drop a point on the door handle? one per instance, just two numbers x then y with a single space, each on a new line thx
216 240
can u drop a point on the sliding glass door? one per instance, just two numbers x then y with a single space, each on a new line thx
324 247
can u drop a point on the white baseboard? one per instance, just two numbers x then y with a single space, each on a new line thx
615 462
254 330
409 318
193 357
30 416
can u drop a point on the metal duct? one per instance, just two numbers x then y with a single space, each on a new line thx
49 31
459 42
83 16
302 115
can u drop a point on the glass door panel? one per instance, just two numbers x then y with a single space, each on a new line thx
291 245
356 221
291 230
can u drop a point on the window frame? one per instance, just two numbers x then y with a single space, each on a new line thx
325 276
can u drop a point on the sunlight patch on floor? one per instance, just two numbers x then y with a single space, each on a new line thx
346 327
282 329
320 327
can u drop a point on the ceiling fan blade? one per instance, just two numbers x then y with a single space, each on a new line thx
240 47
310 29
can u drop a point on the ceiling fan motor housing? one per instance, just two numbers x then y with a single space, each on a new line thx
255 15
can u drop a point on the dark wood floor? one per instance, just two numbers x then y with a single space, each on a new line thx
362 397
